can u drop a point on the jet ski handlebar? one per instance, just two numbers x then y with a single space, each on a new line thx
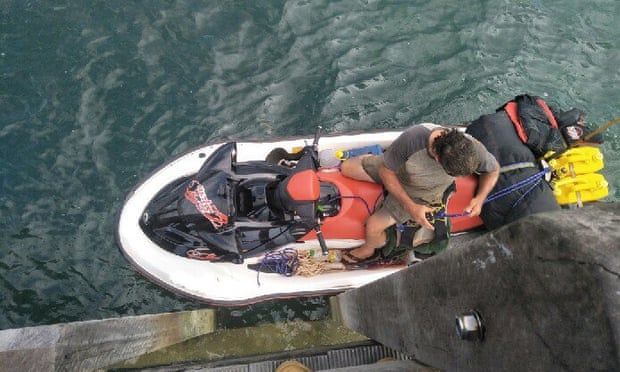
317 229
315 156
317 135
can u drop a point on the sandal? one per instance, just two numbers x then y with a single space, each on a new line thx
349 259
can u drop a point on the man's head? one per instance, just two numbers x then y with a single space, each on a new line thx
455 152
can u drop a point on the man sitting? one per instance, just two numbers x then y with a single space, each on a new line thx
416 169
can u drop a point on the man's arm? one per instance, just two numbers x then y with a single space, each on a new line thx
393 186
486 182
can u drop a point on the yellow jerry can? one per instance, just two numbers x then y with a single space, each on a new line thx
576 161
580 189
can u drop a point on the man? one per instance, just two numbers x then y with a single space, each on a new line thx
416 169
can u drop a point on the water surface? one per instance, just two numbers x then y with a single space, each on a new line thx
96 94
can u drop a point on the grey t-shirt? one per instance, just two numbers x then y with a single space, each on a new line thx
415 139
409 158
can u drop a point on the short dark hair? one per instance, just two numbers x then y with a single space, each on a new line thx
456 153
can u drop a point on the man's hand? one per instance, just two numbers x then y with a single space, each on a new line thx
474 207
418 214
486 182
416 211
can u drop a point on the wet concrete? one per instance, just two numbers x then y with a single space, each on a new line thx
97 344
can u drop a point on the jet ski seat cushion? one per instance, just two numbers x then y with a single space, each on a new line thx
297 195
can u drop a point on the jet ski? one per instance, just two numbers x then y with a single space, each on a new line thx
204 224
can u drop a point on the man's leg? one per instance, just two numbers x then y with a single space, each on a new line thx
353 168
375 234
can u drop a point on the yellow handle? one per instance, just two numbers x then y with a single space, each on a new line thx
595 181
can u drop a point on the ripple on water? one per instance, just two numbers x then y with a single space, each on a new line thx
114 91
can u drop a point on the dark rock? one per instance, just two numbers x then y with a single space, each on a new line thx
547 287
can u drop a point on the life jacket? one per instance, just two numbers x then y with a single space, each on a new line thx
536 124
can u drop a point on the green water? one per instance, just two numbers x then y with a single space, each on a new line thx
96 94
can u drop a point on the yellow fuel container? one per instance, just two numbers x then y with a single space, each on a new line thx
576 161
580 189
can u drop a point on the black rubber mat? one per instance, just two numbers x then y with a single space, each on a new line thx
315 359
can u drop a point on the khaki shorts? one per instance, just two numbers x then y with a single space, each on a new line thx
391 205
